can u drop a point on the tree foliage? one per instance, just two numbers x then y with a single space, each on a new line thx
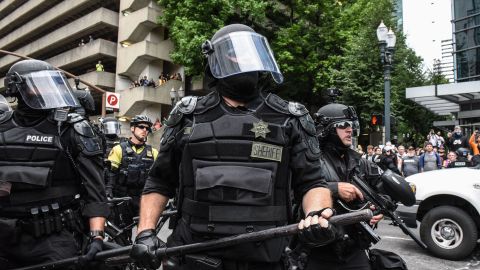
317 43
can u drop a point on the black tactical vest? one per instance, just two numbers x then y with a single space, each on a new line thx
460 163
35 163
109 144
134 167
235 175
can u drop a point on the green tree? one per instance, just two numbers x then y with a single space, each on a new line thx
317 43
191 22
361 73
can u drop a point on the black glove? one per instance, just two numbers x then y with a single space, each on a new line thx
316 235
143 251
93 248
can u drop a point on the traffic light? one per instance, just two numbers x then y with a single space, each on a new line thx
376 119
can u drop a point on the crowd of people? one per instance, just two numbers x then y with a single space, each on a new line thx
162 79
457 150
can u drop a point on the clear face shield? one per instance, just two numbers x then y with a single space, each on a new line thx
47 89
4 105
242 52
111 128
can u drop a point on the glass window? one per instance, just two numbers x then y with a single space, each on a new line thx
464 8
467 64
467 23
467 39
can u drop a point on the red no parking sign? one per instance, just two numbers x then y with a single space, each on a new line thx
112 100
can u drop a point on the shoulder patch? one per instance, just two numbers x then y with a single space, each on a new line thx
84 128
174 117
308 124
277 103
74 117
187 104
297 109
192 104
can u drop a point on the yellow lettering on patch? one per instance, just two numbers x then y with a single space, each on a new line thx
266 151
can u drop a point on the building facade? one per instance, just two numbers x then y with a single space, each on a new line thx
466 25
459 100
75 35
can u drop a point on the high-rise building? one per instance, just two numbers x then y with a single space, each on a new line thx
466 23
462 98
75 34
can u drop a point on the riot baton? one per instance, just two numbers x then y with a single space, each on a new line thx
344 219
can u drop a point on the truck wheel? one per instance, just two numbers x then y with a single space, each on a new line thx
449 232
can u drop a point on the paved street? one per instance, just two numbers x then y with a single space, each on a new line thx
395 240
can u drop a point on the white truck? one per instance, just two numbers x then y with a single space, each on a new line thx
447 207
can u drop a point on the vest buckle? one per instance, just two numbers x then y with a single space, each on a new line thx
210 227
249 229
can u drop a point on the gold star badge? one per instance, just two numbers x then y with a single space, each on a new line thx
260 129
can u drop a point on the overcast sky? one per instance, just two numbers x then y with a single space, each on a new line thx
426 23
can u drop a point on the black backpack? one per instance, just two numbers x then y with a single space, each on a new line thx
382 260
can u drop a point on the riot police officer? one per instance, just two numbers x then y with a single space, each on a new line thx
131 161
233 155
49 160
462 159
110 128
337 125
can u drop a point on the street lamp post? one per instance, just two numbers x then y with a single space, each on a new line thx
386 41
176 95
173 96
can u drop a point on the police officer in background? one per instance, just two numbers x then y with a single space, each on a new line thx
130 162
110 128
462 159
48 159
337 125
234 156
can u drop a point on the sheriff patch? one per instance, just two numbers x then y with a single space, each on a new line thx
266 151
39 139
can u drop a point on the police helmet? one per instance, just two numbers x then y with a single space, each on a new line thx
137 119
39 85
110 126
335 115
237 49
462 152
395 186
4 105
86 99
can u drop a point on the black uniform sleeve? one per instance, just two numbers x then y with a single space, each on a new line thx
304 163
163 177
87 153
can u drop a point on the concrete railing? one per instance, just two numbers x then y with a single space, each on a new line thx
80 55
137 25
102 79
17 17
9 5
136 57
50 17
98 19
133 101
133 5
